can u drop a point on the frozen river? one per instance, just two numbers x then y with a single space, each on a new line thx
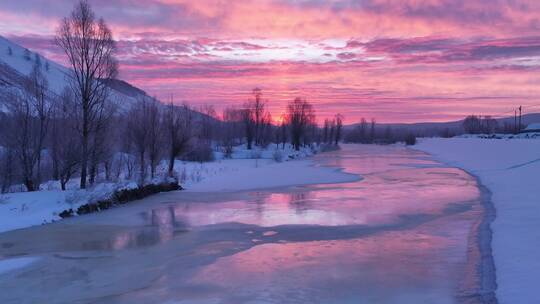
411 231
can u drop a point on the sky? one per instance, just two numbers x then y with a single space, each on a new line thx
395 61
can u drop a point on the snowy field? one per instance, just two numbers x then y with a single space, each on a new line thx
510 169
246 170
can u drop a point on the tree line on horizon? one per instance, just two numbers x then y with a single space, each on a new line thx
369 133
82 133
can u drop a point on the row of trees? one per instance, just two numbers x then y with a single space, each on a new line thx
43 138
475 124
480 124
25 131
370 133
81 132
253 122
363 132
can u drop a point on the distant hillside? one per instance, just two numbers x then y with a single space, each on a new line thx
436 128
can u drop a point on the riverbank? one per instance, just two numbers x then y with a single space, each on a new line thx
487 280
246 170
509 168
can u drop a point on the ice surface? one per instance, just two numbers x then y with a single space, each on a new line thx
406 233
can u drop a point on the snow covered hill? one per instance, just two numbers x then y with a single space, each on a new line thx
16 62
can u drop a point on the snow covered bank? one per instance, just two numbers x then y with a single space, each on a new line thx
249 174
15 263
246 170
510 168
25 209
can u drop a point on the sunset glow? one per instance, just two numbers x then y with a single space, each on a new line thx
395 61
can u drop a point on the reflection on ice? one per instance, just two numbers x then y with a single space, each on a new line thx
379 198
406 233
162 227
386 269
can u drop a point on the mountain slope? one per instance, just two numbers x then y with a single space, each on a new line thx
16 62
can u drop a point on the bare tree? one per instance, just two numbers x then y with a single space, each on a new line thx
372 131
207 123
232 129
38 86
339 128
283 134
7 168
490 125
90 48
388 135
265 130
472 124
138 132
363 130
256 119
155 136
257 106
300 114
359 133
249 125
100 149
30 113
326 130
64 140
332 131
178 128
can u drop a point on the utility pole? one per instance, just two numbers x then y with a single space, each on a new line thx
515 121
520 125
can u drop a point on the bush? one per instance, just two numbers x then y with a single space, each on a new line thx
277 156
122 197
410 140
201 152
329 147
228 151
255 154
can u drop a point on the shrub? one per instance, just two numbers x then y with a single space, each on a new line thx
410 140
122 197
228 151
328 147
201 152
277 156
255 154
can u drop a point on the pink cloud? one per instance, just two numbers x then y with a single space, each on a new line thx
395 61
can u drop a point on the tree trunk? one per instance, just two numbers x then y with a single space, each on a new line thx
143 169
84 159
171 164
152 169
107 166
55 169
38 169
29 185
92 173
